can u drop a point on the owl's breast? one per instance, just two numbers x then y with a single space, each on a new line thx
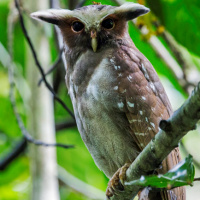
95 78
102 84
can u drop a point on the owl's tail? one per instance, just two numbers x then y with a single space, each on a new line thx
174 194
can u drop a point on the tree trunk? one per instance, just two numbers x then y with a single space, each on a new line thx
41 115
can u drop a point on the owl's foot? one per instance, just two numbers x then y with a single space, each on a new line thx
116 183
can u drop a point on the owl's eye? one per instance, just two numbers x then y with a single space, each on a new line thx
108 23
77 26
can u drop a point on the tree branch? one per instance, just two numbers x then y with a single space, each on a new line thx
197 179
19 148
185 65
54 66
24 131
182 121
64 125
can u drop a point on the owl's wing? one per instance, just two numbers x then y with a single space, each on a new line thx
145 104
145 100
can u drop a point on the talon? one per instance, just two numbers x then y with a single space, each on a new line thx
122 173
110 190
116 183
121 181
113 187
107 198
121 186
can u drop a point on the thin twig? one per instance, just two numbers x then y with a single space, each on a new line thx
65 125
37 61
181 60
22 144
54 66
180 57
26 134
196 179
15 152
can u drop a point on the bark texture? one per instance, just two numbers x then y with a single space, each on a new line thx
41 116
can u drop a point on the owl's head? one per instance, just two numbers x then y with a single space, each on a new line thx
93 26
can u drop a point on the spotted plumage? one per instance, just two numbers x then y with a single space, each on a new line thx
117 96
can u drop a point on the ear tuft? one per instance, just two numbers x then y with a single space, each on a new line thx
131 10
45 16
53 16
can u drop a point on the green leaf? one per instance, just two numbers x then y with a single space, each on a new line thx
182 174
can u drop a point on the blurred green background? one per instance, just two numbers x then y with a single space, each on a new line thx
169 37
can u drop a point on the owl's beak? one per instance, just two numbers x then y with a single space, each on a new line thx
94 43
